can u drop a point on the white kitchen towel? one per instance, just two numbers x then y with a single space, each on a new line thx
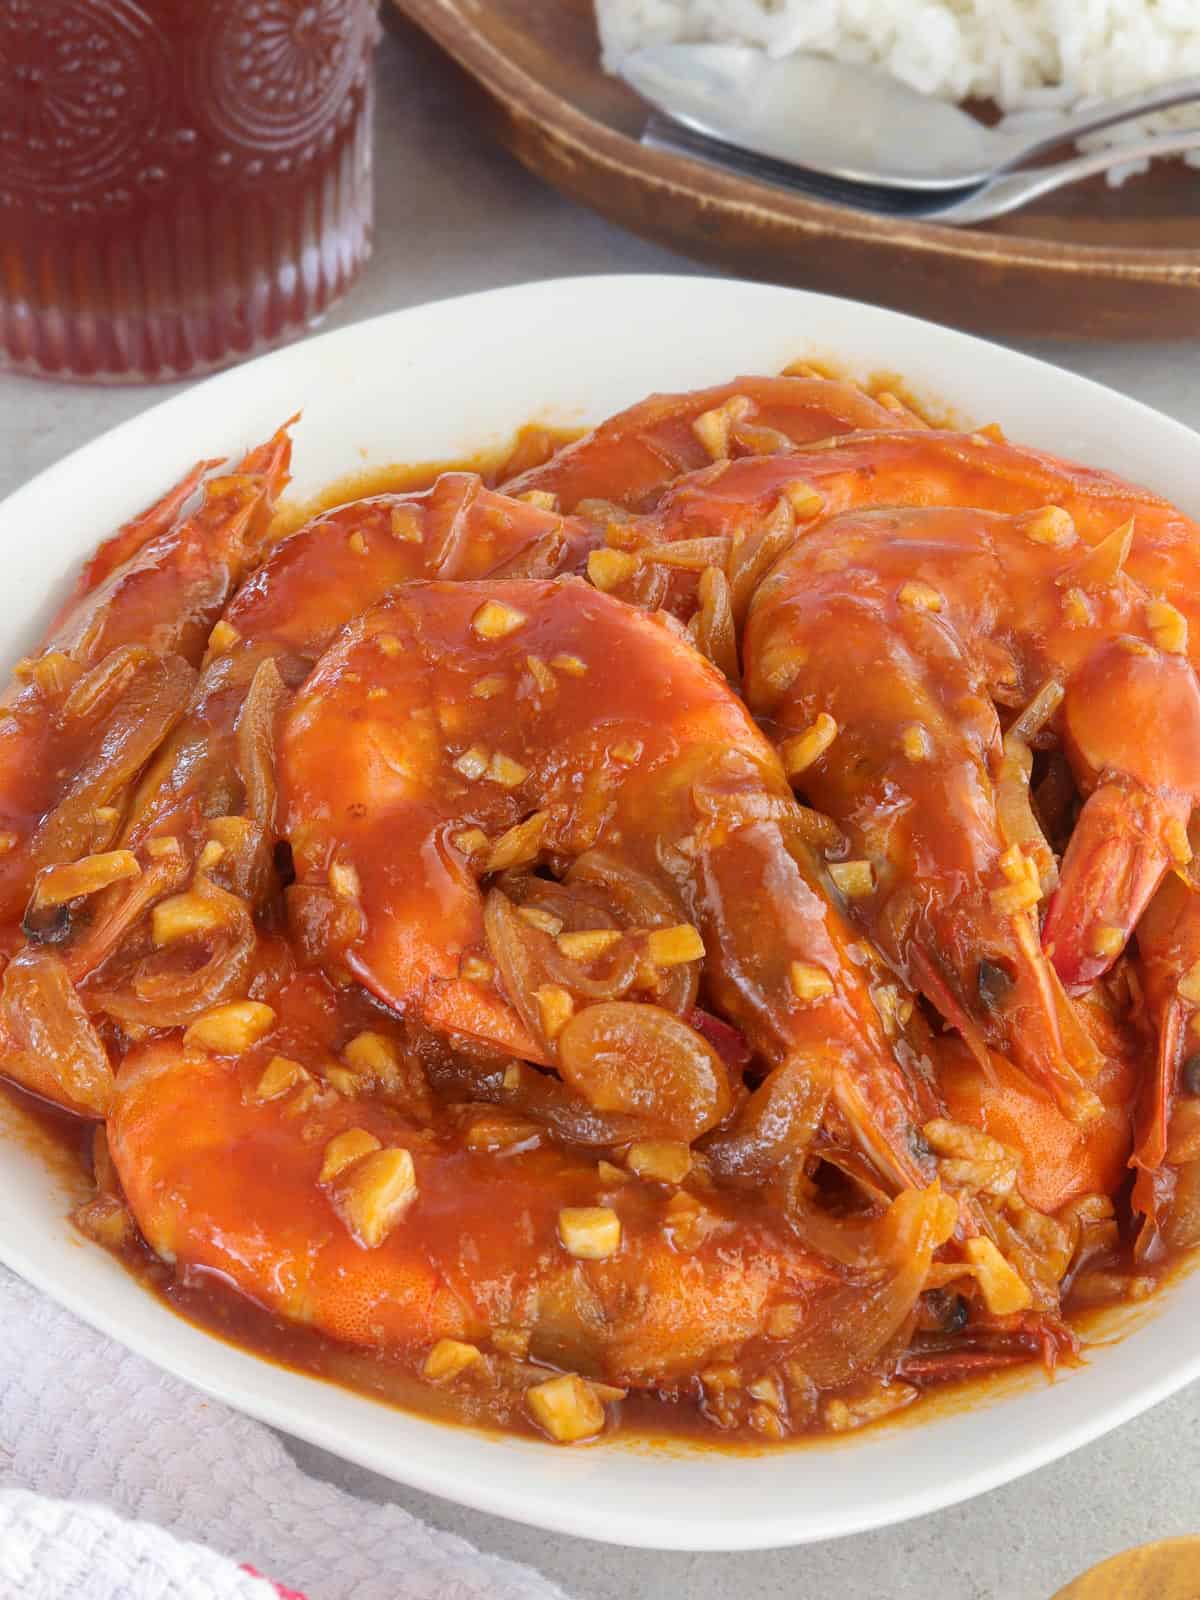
120 1483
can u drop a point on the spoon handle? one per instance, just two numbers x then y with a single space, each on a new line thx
1010 191
998 196
1104 114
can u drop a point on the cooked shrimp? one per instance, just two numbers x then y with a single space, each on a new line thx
347 559
137 532
164 582
79 723
629 459
462 726
315 582
742 512
937 615
1169 951
218 761
389 1230
455 970
85 712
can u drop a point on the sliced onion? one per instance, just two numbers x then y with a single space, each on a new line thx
465 1072
716 636
754 557
1153 1199
644 1062
1037 1246
528 958
256 741
163 993
1039 711
576 905
149 706
511 941
97 691
641 902
567 1112
52 1046
848 1328
776 1125
649 587
246 868
807 829
120 909
607 977
741 807
848 1240
1014 810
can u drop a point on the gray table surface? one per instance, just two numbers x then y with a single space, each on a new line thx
456 214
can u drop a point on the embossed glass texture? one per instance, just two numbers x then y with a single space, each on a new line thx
182 182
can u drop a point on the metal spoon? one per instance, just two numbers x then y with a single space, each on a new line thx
962 207
855 123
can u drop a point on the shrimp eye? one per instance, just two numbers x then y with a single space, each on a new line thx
947 1309
1191 1075
955 1319
47 924
993 982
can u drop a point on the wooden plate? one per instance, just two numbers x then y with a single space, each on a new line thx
1168 1569
1088 262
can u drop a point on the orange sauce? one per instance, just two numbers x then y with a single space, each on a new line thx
643 1420
937 413
667 1422
529 447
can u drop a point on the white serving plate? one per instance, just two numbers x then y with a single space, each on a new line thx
447 380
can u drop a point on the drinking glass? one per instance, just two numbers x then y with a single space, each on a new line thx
182 182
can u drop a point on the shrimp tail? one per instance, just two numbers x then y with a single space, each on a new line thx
270 463
1115 861
139 531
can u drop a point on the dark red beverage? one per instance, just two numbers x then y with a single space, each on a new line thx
182 182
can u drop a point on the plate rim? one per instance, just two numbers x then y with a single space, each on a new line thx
699 1537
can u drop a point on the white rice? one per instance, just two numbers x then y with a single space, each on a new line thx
1026 55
